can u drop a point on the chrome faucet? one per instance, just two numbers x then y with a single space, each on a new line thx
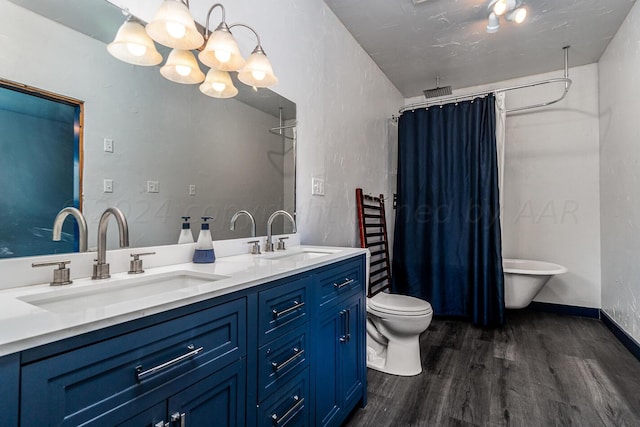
82 226
101 268
268 247
247 213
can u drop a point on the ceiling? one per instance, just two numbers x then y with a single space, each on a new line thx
413 44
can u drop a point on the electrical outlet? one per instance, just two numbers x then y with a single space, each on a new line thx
192 189
107 186
153 187
317 187
108 145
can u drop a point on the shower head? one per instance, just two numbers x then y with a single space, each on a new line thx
437 91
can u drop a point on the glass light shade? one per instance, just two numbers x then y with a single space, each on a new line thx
258 72
182 67
218 84
500 7
173 26
133 45
518 15
220 45
493 24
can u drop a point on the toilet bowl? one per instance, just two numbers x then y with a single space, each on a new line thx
394 325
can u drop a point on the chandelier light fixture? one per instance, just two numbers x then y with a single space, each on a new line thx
173 26
512 10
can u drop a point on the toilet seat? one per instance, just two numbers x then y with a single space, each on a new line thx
401 305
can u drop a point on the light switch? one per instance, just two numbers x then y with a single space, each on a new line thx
192 189
317 187
108 145
153 187
107 186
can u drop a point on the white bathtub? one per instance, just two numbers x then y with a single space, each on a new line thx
523 279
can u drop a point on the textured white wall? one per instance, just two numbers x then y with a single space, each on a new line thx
620 175
343 105
551 208
551 192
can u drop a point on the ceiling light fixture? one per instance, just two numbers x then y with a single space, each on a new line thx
513 11
173 26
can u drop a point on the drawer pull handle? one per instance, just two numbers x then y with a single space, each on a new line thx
343 326
296 305
346 282
279 366
179 417
140 374
348 325
299 404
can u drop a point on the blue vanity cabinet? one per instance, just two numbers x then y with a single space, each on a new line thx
340 364
286 352
110 381
9 386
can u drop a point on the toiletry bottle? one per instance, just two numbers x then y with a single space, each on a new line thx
185 234
204 246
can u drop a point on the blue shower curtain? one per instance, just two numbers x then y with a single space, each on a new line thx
447 246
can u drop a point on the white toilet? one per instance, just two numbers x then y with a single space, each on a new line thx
394 322
394 325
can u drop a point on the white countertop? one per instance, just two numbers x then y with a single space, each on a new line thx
24 325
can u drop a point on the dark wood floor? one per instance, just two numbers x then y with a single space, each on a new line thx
540 369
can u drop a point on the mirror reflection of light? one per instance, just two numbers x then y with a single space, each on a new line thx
183 70
136 49
176 30
223 55
500 7
521 15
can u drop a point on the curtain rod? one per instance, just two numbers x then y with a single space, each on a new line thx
565 79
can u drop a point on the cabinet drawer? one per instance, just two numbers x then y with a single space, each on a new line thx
338 281
77 386
280 360
289 406
282 309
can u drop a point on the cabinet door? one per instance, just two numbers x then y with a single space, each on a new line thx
352 358
340 361
9 389
327 363
218 400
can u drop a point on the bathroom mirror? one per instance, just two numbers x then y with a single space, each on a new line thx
229 152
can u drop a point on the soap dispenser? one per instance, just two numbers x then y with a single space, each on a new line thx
185 234
204 246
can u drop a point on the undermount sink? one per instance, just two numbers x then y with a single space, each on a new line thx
116 291
299 254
